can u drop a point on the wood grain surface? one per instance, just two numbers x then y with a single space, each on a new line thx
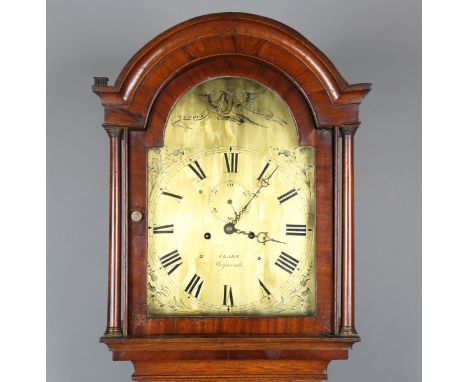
323 104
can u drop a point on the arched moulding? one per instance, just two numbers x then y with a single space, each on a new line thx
332 100
236 66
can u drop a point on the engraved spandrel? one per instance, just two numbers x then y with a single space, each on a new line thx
160 160
301 161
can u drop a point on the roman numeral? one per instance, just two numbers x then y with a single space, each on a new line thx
295 229
286 262
198 170
172 195
172 258
228 299
288 195
263 171
169 228
264 287
231 160
194 283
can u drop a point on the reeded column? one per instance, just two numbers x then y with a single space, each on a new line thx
347 233
115 207
336 230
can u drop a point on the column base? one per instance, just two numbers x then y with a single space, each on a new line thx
348 331
112 332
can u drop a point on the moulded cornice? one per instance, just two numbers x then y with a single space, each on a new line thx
332 100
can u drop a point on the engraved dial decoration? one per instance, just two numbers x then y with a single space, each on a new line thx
231 204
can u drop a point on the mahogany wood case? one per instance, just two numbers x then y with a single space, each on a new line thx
325 107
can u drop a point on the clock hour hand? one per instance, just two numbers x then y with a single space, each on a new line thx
262 237
250 234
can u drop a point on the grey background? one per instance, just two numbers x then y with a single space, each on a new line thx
375 41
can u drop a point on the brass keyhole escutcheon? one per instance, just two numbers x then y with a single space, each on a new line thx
136 216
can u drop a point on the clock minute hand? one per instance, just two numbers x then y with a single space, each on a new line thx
263 183
243 209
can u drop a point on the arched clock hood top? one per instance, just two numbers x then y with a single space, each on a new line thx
332 100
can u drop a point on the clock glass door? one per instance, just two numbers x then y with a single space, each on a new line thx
231 207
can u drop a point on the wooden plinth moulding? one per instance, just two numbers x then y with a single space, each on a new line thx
226 358
324 106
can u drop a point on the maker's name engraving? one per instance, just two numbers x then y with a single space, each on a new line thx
229 261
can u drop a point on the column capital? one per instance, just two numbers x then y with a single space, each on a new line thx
114 131
348 129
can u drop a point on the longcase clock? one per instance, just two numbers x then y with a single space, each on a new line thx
231 244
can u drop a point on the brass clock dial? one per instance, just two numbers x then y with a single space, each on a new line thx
231 225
